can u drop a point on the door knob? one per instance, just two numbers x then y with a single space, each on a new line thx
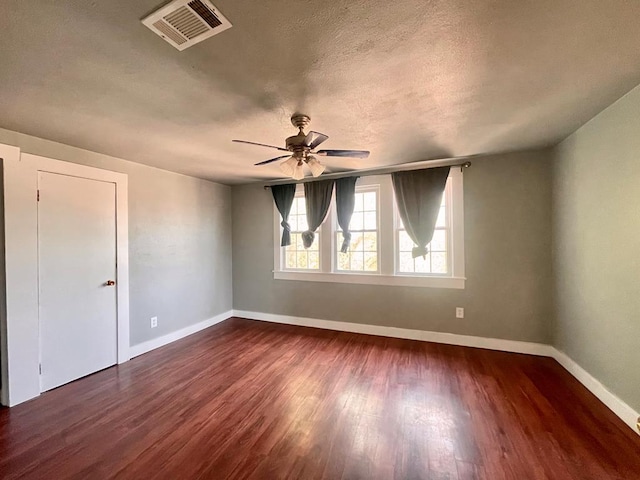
109 283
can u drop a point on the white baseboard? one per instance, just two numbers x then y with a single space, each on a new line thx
617 406
627 414
425 336
149 345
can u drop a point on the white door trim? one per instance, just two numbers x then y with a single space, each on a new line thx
20 348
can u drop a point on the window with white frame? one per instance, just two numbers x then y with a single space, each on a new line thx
436 261
380 249
296 257
362 255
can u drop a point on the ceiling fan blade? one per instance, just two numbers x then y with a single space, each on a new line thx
314 139
344 153
261 145
272 160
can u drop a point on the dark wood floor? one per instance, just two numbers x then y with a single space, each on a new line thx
254 400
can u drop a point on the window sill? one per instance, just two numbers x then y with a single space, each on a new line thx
373 279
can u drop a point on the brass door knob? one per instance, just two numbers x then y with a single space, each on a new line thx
109 283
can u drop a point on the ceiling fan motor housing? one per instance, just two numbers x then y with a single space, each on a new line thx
296 144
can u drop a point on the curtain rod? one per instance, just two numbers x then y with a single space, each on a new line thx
454 162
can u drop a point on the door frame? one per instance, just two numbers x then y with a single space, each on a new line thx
20 321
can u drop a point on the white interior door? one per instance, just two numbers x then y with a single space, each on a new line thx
77 262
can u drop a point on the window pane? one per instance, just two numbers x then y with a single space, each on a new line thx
406 262
363 248
371 241
435 262
357 221
357 261
370 221
439 262
422 265
359 202
295 255
439 241
370 203
357 243
343 261
291 260
302 259
406 244
371 261
314 260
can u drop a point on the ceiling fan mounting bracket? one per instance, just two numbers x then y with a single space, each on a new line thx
300 120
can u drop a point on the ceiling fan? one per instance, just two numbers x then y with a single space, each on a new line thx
302 148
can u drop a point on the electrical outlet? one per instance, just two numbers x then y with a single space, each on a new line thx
459 312
154 322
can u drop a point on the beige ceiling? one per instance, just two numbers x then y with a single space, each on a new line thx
409 80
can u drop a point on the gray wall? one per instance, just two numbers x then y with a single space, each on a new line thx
596 225
179 240
507 201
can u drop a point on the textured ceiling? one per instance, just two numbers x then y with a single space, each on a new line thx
409 80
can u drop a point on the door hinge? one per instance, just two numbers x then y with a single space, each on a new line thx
40 368
38 195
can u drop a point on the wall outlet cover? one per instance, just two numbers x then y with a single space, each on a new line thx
154 322
459 312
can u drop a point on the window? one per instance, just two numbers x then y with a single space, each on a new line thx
380 249
362 255
296 257
436 261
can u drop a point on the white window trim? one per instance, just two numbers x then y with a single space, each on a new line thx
371 279
387 253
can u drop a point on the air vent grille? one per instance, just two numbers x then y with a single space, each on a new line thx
206 14
169 32
183 23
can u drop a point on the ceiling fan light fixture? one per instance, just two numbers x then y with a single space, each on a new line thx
288 166
315 166
298 172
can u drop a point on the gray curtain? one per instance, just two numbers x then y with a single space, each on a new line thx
283 197
418 195
345 202
318 199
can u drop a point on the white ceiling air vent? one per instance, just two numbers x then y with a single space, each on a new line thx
183 23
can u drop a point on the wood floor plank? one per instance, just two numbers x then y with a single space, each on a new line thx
251 400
